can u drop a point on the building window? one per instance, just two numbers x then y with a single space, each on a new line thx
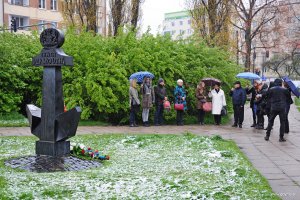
181 23
42 3
182 32
53 4
20 2
173 23
21 21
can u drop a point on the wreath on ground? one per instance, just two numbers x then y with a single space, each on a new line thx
81 150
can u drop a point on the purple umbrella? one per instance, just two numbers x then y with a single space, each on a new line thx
293 87
210 81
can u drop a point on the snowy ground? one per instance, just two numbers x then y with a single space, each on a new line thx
141 167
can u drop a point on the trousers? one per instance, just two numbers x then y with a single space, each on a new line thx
282 118
179 117
158 119
201 114
238 114
218 119
145 114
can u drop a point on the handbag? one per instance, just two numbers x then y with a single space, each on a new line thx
179 106
223 111
207 106
167 105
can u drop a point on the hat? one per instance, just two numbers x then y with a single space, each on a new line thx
237 82
278 82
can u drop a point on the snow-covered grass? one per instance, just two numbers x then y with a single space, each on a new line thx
13 119
141 167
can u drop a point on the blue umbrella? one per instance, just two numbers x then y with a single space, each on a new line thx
292 86
248 75
139 76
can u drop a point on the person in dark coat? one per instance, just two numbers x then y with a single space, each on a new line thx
278 96
252 91
239 98
201 95
261 102
160 97
287 110
268 106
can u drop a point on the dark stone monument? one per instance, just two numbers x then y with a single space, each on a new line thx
51 124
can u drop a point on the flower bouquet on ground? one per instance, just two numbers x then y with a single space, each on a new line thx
82 150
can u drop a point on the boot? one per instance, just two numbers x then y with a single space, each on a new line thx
131 125
253 125
147 123
235 125
267 138
281 139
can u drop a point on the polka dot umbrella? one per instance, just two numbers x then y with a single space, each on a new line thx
139 76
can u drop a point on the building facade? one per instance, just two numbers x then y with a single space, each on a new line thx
277 38
49 12
178 25
32 12
1 12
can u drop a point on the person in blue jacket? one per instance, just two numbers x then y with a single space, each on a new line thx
180 98
239 98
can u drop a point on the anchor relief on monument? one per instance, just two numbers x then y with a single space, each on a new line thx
51 124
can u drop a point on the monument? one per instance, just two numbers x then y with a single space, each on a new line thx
51 124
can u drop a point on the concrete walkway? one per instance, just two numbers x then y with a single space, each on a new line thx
278 162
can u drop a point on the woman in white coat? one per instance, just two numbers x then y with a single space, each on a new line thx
218 101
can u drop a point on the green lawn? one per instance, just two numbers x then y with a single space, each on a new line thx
141 167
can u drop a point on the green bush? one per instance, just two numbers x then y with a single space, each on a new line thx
98 82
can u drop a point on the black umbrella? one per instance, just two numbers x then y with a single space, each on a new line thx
210 81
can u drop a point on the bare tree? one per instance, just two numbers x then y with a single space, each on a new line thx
252 16
81 13
211 20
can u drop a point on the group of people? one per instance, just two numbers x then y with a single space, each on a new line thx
271 100
157 96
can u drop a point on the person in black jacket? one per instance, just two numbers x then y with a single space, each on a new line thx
260 102
239 98
278 97
252 91
287 109
160 97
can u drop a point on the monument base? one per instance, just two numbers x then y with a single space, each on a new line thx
56 149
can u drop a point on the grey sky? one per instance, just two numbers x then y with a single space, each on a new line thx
153 12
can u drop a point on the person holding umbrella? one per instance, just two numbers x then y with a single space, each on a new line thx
180 100
239 98
134 103
148 99
201 95
251 76
218 102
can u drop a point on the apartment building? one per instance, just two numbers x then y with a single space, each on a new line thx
178 25
278 37
34 12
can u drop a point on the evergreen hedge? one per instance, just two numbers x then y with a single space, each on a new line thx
98 82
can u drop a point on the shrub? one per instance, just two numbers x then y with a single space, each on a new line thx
98 82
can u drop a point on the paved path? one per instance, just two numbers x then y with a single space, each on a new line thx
278 162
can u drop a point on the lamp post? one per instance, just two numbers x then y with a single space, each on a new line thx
254 57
